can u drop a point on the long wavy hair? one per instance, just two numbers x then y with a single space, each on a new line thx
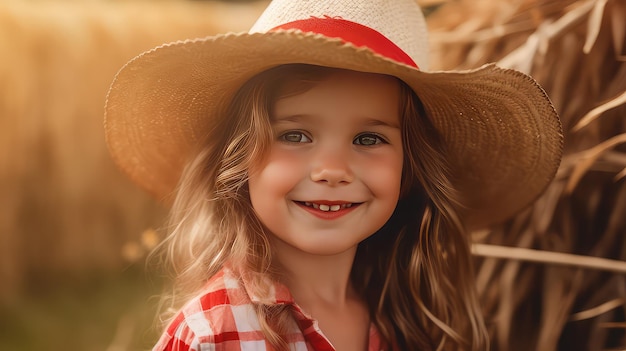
415 273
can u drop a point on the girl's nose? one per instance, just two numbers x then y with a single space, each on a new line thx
331 167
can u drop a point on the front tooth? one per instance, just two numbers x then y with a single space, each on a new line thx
335 207
324 208
316 206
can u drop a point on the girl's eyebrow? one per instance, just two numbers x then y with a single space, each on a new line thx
290 118
374 122
369 122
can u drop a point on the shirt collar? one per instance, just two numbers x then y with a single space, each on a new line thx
262 289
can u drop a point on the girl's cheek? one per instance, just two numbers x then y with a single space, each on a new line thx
385 172
280 168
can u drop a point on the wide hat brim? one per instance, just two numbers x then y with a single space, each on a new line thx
502 132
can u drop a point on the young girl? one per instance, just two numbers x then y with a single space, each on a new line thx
329 181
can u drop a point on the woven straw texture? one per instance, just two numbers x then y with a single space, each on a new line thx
503 133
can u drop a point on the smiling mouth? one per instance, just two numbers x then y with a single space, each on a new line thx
328 207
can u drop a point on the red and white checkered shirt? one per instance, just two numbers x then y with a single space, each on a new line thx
222 318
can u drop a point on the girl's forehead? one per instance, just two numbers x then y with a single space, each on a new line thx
288 80
343 93
338 81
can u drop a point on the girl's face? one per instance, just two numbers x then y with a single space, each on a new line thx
333 172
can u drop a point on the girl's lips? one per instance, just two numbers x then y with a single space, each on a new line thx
328 209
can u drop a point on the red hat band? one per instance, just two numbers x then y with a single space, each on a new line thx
351 32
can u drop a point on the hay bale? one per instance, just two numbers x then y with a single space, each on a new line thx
576 50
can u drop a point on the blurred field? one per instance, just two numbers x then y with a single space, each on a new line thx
64 207
71 225
74 232
103 312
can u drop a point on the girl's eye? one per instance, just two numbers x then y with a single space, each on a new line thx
295 137
369 139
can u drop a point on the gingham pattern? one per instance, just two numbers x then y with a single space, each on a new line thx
222 318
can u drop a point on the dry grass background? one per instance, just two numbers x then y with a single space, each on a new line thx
66 211
64 208
577 51
70 222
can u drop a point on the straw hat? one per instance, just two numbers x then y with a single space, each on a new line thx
502 131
